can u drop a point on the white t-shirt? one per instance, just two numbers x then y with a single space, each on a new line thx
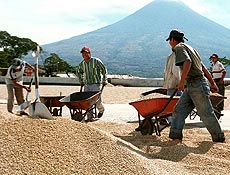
15 75
218 66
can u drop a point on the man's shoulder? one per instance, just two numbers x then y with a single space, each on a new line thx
96 59
82 62
183 46
219 63
10 70
179 48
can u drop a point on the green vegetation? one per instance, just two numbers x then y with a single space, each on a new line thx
54 64
14 47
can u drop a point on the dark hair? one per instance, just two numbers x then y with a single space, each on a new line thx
178 39
214 55
177 35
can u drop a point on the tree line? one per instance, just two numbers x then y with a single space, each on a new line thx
15 47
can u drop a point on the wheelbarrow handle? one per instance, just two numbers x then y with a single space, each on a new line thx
159 90
30 84
174 93
81 88
103 85
170 98
31 81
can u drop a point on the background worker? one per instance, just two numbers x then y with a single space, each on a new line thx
172 74
196 93
14 82
92 73
218 74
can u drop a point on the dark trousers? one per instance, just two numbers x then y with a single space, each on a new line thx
221 92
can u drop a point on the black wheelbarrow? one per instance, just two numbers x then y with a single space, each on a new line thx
215 99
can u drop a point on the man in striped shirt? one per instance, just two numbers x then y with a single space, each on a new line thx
91 73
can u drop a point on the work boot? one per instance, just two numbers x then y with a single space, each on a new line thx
100 114
218 138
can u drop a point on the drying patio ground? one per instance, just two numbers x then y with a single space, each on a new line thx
108 146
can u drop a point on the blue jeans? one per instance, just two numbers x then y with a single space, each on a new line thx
196 94
171 91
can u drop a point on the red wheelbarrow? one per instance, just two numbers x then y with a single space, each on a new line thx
157 108
53 104
80 103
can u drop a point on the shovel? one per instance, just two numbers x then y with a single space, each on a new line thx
21 108
38 109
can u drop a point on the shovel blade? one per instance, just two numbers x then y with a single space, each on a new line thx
38 109
22 107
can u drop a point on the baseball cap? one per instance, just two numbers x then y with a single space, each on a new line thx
16 63
176 33
85 49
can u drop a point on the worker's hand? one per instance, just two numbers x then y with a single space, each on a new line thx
104 83
180 87
214 88
141 96
82 84
221 81
28 89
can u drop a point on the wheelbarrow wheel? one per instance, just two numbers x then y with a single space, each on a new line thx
147 127
78 116
55 112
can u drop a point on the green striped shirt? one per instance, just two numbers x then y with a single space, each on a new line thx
93 72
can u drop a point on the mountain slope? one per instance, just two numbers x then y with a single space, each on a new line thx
136 45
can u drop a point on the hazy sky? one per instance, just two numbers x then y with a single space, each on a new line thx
47 21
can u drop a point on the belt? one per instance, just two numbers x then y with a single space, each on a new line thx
192 80
217 79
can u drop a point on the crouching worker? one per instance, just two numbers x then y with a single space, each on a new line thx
14 82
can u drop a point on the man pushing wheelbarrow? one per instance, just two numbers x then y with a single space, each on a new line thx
92 73
196 92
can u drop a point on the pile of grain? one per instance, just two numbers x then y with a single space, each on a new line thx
62 146
196 155
158 95
155 95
